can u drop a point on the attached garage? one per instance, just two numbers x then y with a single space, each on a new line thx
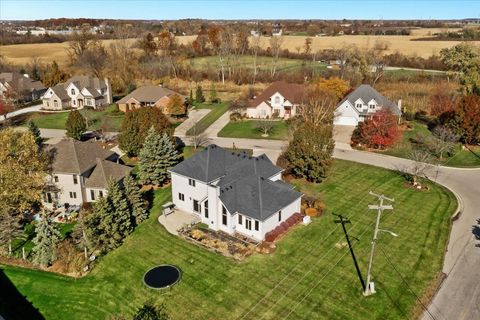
345 121
345 115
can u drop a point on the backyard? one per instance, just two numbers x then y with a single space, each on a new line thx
249 129
109 118
307 277
459 157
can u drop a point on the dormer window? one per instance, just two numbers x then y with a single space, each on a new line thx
73 92
372 106
359 106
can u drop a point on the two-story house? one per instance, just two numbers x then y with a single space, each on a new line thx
81 172
234 192
77 92
20 87
361 103
280 99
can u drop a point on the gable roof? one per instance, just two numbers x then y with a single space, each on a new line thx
86 82
19 82
257 197
59 90
367 93
104 171
149 94
291 91
215 162
75 157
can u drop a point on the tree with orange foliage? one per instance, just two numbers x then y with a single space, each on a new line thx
442 100
176 106
168 46
379 131
335 85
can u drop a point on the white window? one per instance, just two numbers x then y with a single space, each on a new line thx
277 100
191 182
248 224
359 106
224 216
73 92
181 196
92 195
372 106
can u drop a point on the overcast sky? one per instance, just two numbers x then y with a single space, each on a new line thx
238 9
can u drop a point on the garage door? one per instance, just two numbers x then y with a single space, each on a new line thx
345 121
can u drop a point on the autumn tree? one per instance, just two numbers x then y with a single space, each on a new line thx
465 59
93 60
10 228
122 63
333 85
80 42
148 45
22 171
5 107
176 106
168 46
442 100
378 131
53 75
465 120
76 125
318 106
265 127
136 125
276 43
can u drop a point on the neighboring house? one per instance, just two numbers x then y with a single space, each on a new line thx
361 103
80 172
148 96
20 87
77 92
234 192
280 99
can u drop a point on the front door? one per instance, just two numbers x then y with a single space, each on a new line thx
49 197
288 113
196 206
80 103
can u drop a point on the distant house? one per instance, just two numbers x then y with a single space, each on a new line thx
80 172
280 99
20 87
148 96
361 103
233 192
77 92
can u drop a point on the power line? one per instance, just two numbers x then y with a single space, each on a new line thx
406 283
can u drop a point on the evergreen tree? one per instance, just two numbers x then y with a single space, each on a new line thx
115 217
35 131
45 241
213 94
136 202
75 125
151 312
10 228
199 97
190 97
157 156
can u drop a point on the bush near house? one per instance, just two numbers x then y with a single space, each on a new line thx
377 132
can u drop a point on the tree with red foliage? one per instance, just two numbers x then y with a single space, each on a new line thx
443 100
466 119
4 108
379 131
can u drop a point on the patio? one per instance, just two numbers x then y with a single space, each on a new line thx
176 219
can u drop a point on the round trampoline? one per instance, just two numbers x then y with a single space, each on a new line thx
163 276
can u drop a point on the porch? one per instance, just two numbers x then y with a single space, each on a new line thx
173 219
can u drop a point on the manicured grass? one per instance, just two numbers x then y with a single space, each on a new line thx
94 119
248 129
306 278
217 110
460 158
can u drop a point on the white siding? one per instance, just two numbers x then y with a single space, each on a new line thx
96 191
346 115
66 186
190 193
272 222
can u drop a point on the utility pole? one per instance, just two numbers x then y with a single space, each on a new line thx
370 289
344 221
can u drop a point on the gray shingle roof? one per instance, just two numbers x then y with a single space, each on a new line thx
149 94
59 90
75 157
257 197
19 82
86 82
104 171
215 162
367 93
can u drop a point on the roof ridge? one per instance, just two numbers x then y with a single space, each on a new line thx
76 154
260 195
100 165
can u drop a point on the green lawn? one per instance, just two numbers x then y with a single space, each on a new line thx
216 111
306 278
247 129
460 158
94 118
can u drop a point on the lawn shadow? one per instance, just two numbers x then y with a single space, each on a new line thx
13 305
473 152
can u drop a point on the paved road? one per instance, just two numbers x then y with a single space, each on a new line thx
459 296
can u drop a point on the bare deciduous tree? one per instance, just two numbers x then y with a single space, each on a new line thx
422 160
445 140
265 126
318 107
276 43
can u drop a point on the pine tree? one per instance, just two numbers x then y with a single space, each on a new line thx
35 131
136 203
10 228
213 94
75 125
156 157
115 217
190 97
45 241
199 97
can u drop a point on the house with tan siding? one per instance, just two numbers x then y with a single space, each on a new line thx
148 96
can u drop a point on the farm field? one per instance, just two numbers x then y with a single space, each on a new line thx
22 53
308 277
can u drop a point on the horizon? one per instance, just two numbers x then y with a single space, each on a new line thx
231 10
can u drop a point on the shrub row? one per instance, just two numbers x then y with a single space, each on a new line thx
283 227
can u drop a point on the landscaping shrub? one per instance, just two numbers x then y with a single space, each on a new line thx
235 116
311 212
378 131
284 225
270 236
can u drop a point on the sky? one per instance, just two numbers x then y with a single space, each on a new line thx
238 9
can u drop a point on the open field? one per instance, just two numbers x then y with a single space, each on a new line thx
307 277
22 53
248 129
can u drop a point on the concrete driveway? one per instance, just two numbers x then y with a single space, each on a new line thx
342 136
35 108
193 117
